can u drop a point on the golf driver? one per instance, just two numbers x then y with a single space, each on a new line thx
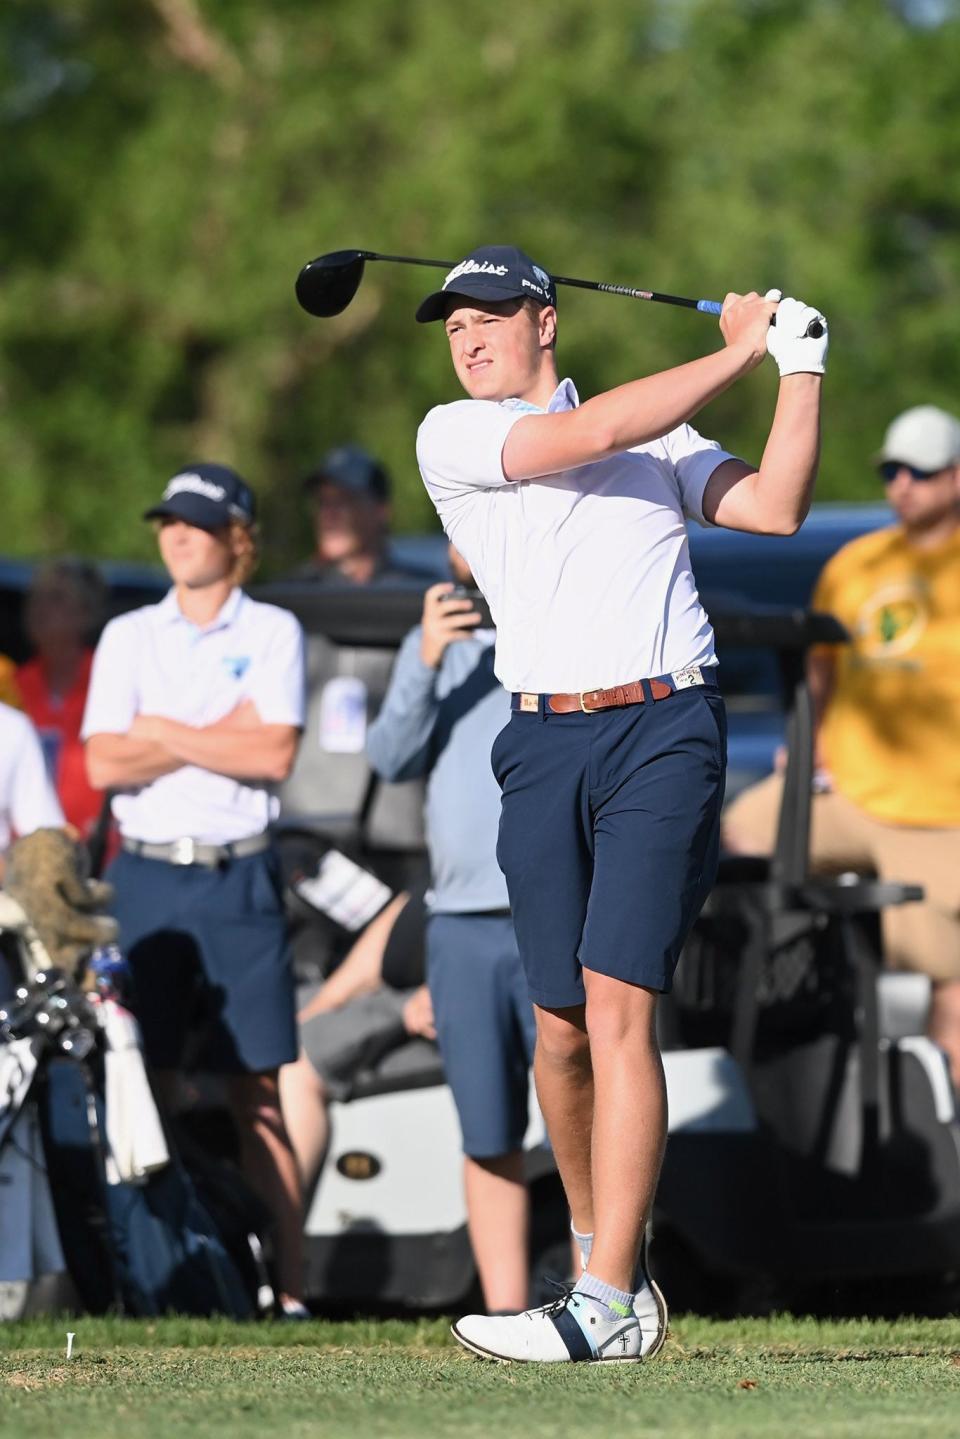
326 285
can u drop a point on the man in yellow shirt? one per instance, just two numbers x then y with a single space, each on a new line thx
888 714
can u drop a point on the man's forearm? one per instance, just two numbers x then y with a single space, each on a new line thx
631 414
261 752
120 761
398 740
782 488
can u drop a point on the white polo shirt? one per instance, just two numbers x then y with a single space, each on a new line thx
27 798
154 661
587 572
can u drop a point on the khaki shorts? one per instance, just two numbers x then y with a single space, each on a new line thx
924 937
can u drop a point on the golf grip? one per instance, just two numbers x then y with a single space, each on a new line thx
706 307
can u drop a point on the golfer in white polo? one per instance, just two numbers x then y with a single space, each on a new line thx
571 517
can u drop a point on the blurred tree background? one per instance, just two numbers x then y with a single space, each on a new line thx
168 165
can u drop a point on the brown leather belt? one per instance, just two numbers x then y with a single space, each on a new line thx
638 692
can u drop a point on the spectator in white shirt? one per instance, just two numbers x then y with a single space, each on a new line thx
193 717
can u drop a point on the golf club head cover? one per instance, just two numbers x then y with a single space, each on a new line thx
796 352
47 875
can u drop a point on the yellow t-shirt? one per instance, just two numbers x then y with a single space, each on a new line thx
891 732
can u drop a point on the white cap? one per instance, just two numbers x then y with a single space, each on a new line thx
925 437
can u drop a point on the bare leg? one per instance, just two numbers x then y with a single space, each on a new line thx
629 1122
498 1213
303 1100
564 1080
269 1164
943 1024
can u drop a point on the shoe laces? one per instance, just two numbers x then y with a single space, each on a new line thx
563 1297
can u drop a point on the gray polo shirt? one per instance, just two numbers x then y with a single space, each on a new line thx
442 723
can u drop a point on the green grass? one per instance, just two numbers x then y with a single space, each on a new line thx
390 1380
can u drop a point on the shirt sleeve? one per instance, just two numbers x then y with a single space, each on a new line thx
33 801
694 460
278 685
398 741
460 446
112 699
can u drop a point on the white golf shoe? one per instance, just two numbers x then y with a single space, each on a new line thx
571 1329
650 1309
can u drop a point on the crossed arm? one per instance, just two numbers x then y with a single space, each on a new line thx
240 746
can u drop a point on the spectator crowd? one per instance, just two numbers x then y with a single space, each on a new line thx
185 718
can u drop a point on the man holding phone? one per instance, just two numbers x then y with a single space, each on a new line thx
443 710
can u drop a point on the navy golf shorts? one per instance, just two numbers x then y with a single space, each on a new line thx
210 960
485 1027
609 837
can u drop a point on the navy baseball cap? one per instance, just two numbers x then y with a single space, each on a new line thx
494 272
350 468
208 496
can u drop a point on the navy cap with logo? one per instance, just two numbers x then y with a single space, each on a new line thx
493 272
352 469
208 496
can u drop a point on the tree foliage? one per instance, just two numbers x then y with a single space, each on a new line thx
170 164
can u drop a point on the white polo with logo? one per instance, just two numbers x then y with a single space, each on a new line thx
154 661
587 572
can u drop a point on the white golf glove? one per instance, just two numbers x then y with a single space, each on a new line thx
796 352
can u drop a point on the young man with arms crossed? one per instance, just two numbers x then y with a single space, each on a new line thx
194 715
571 517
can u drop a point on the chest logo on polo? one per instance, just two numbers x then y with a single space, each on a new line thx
891 621
236 666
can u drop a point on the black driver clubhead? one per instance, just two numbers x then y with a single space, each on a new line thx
326 285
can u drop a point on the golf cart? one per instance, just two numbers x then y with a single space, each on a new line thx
813 1134
841 1185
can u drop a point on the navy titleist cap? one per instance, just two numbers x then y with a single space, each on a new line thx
208 496
494 272
350 468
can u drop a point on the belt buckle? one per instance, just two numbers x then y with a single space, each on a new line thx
587 710
183 851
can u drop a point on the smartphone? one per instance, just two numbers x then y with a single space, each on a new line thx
462 592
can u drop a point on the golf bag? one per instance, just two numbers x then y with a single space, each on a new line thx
144 1244
145 1248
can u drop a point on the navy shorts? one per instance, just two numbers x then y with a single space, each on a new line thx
609 837
209 954
485 1027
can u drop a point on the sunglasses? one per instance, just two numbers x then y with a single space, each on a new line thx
891 468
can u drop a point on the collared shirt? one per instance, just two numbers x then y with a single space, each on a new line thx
27 800
587 572
442 723
154 661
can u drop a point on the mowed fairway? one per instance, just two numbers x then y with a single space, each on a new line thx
359 1380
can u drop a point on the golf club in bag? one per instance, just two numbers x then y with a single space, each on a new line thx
141 1243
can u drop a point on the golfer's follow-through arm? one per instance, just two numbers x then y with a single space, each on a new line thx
774 498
